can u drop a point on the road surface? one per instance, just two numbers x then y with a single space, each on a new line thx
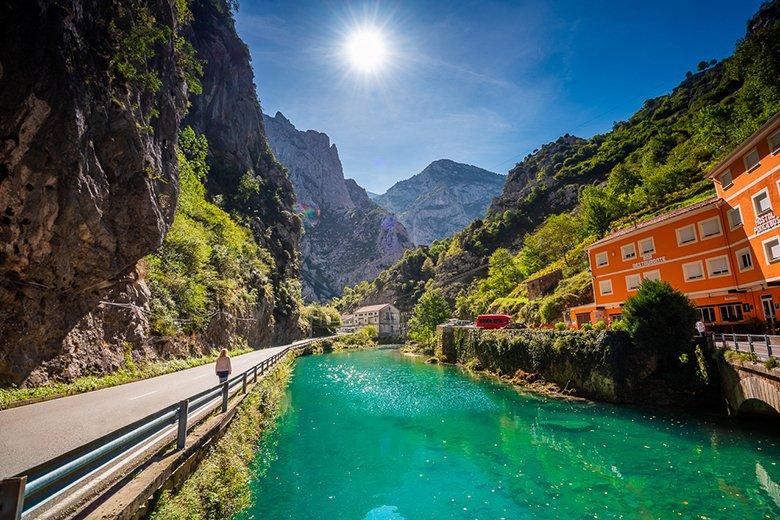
33 434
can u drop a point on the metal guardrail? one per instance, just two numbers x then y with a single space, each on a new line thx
45 482
762 345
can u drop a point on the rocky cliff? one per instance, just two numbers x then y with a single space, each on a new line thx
87 162
244 173
442 199
348 238
89 178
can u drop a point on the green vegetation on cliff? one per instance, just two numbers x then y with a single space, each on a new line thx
208 262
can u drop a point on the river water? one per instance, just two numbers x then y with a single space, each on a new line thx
377 435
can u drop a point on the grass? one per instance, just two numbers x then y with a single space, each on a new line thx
219 488
131 372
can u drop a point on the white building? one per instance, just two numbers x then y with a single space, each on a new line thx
385 317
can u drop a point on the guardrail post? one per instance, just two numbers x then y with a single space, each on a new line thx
12 497
736 345
181 437
750 342
243 382
254 374
224 396
768 346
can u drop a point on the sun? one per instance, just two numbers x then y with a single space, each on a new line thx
366 49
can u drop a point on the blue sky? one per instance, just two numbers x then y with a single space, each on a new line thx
482 83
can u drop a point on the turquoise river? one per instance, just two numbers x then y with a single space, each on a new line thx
378 435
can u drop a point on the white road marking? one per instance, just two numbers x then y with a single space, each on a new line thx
143 395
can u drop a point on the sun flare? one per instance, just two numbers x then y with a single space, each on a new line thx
366 49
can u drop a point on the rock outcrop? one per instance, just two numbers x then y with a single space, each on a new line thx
87 163
442 199
244 172
348 238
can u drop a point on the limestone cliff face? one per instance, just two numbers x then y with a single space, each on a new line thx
442 199
87 166
348 238
243 170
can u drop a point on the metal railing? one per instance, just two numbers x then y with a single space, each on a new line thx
45 482
762 345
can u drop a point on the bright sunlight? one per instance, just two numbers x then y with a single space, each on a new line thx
365 49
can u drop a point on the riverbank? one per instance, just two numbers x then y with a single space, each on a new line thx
219 486
13 397
602 366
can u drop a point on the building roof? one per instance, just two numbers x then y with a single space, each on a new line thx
746 144
371 308
655 220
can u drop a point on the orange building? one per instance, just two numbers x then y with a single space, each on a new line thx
724 253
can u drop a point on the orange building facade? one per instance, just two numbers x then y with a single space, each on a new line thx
723 253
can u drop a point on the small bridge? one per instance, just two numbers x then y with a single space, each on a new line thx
749 386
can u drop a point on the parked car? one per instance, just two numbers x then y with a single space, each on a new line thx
493 321
455 322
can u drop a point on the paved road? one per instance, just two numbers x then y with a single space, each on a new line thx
33 434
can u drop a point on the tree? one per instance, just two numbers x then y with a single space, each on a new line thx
322 320
431 310
660 320
702 65
596 210
552 241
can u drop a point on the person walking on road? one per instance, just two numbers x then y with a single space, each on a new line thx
222 366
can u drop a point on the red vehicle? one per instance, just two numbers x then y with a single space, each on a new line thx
493 321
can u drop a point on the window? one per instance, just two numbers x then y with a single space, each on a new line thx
726 180
732 312
602 259
774 142
707 314
652 275
686 235
605 287
734 216
693 271
751 160
632 282
744 260
772 250
709 228
761 202
646 246
628 251
718 266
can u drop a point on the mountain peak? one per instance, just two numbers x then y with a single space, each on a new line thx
442 199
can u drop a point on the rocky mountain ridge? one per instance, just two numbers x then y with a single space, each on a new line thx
442 199
348 238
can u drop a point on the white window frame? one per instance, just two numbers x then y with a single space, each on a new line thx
710 274
606 256
724 186
753 197
763 246
701 268
656 272
701 228
745 161
601 287
776 149
738 256
623 254
639 282
652 251
695 236
738 210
